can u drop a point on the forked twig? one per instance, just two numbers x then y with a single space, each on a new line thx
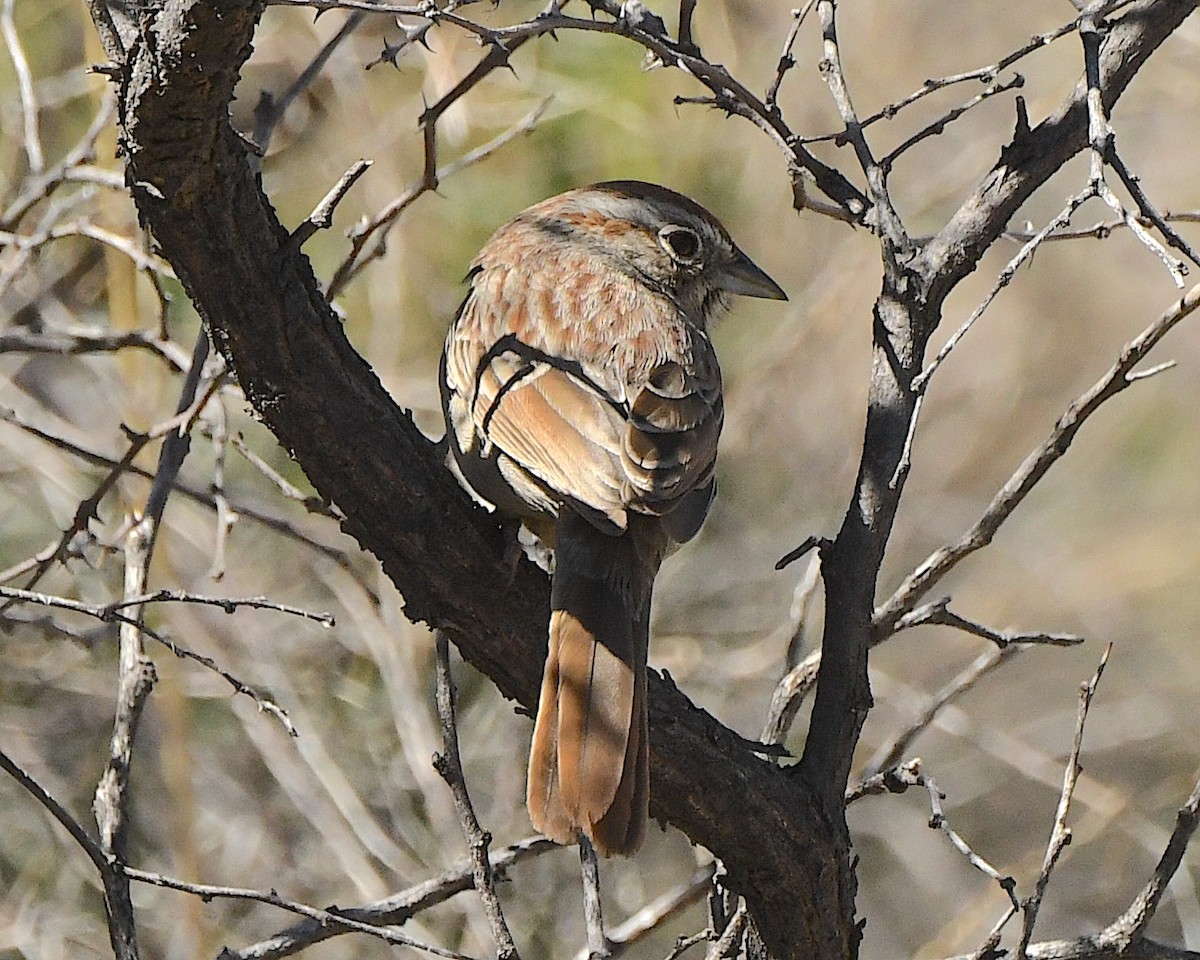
1035 466
367 239
653 915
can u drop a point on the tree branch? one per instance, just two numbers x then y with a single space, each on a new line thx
198 189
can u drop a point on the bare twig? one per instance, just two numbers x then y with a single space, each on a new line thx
135 678
322 216
686 9
938 612
1035 466
1101 230
653 915
71 167
589 864
810 543
727 92
684 944
884 216
338 920
331 921
988 950
367 6
31 242
57 810
449 765
921 381
786 60
986 74
1102 140
1131 925
1060 835
31 139
270 109
1149 211
83 340
938 821
194 493
106 611
177 439
310 503
217 430
939 126
367 241
84 512
395 910
889 753
897 779
788 696
726 945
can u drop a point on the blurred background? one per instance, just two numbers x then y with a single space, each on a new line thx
352 810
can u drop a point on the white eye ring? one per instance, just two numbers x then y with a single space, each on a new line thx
681 243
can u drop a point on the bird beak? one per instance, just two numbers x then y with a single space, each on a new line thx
743 276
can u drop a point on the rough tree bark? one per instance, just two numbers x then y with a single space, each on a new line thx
780 833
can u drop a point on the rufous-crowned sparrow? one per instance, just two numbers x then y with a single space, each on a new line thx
583 396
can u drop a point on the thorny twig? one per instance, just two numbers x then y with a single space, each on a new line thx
1102 141
786 60
184 488
270 109
368 238
381 919
107 612
938 126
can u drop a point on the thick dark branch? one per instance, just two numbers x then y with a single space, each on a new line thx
197 187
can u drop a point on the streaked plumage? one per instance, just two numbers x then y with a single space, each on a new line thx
582 395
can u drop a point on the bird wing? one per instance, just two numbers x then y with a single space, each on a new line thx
559 430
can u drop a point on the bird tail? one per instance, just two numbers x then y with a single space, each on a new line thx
589 761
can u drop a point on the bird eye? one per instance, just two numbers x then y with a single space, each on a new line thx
682 243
